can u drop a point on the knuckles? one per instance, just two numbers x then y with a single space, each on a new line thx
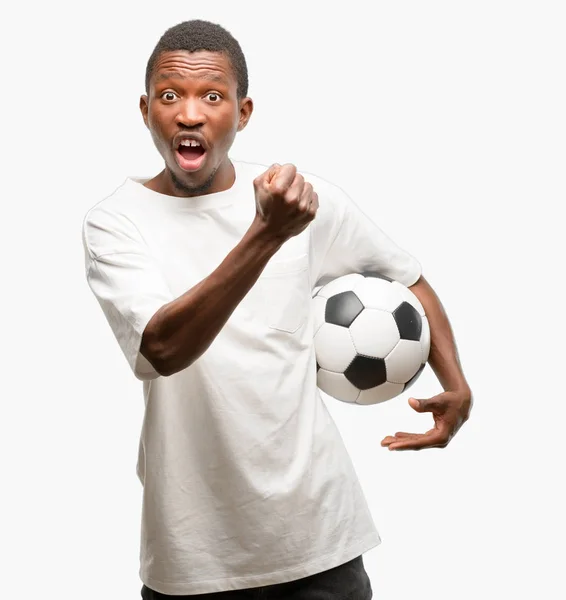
279 187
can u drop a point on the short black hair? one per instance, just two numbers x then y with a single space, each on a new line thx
196 35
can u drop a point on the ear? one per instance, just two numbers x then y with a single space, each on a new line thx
144 107
246 110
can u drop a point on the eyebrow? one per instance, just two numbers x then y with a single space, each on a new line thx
177 75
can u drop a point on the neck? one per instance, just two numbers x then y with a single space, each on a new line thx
169 183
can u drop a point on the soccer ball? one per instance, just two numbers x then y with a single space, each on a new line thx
371 337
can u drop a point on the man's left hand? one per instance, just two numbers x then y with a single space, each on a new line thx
450 410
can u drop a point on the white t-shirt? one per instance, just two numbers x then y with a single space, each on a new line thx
246 479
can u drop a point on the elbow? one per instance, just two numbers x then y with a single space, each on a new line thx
160 365
165 354
154 351
160 354
166 364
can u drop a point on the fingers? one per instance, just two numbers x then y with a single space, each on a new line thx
271 174
296 192
285 203
446 409
307 198
434 438
313 207
283 179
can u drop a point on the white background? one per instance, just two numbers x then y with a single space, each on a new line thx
445 121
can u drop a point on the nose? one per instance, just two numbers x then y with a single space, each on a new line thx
190 113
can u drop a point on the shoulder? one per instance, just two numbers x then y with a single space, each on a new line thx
326 189
107 226
333 202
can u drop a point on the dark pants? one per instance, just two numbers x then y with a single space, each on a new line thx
345 582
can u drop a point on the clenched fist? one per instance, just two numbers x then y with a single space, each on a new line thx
285 203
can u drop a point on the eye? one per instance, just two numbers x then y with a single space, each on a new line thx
216 97
168 94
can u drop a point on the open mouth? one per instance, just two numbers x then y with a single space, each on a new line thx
190 158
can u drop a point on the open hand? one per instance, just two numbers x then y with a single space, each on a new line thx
449 409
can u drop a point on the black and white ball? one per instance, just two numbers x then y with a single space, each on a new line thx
371 336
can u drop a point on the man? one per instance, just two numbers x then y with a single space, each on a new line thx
205 274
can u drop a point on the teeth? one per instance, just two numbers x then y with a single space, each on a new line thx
189 143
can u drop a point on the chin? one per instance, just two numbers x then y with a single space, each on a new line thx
194 183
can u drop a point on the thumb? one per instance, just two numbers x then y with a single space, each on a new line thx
272 171
426 405
416 404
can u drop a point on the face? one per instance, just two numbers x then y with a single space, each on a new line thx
194 93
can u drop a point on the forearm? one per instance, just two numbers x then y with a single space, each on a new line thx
443 357
183 329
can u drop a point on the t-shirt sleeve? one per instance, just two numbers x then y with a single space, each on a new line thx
345 240
126 281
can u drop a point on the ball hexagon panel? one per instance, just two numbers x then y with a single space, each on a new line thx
378 293
382 392
343 308
336 385
340 284
363 332
334 348
403 361
365 372
408 321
